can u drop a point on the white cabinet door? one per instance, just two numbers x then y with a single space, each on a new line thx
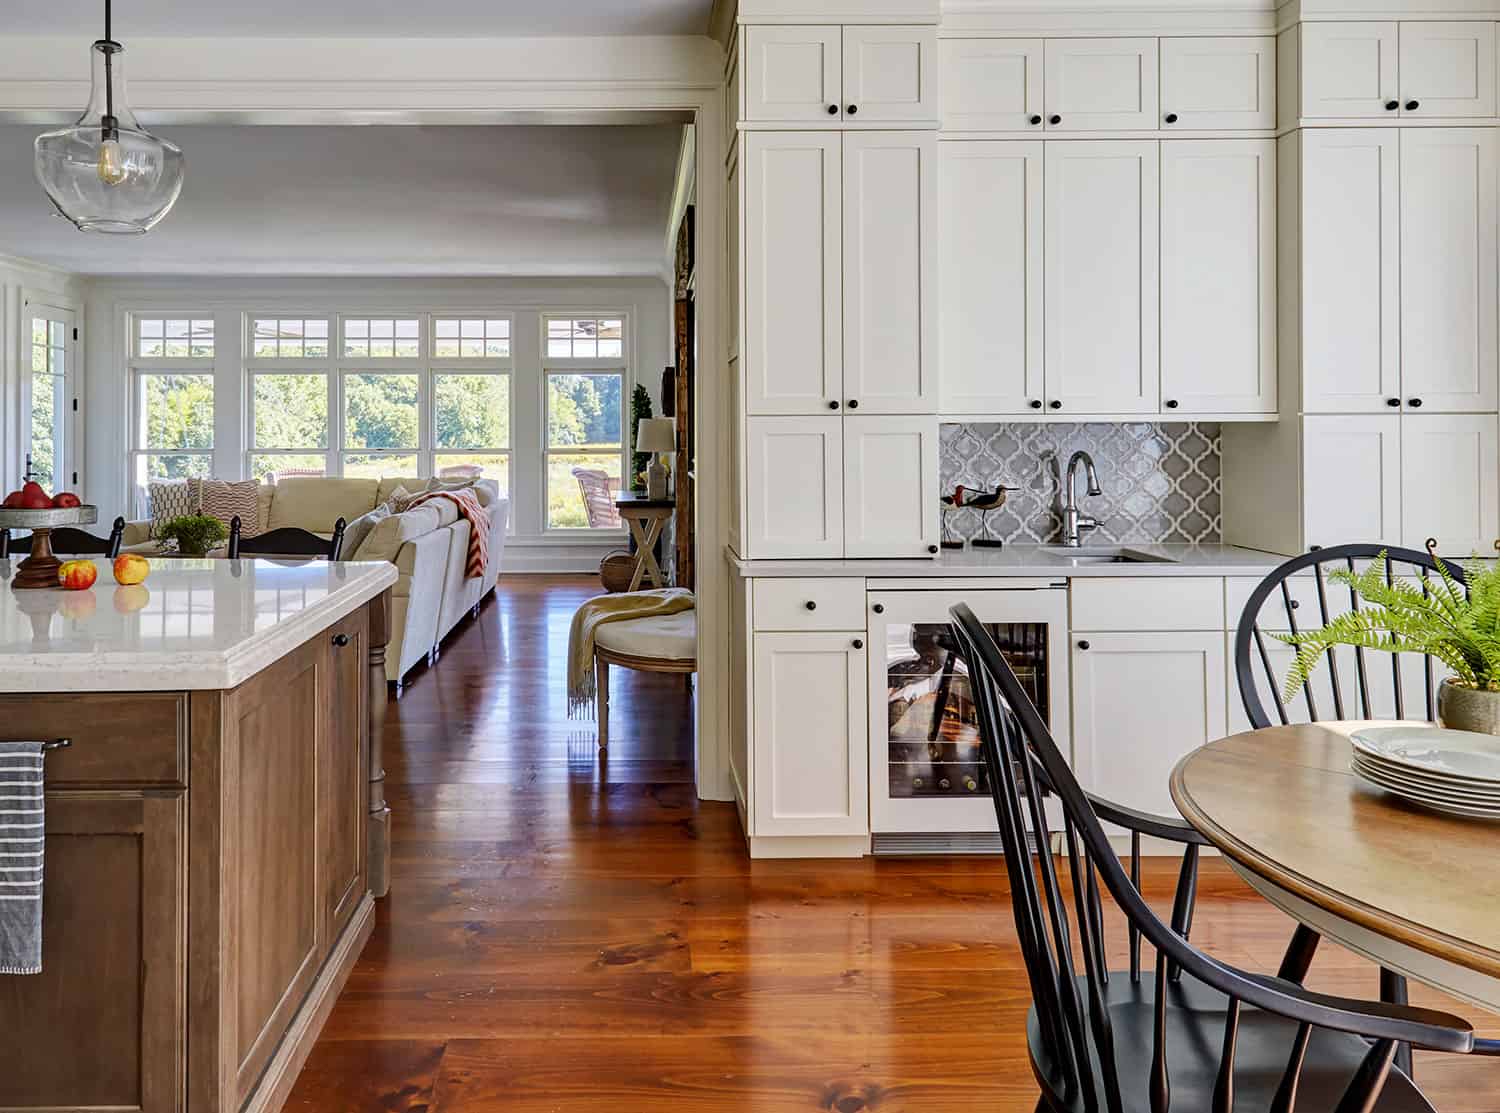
1218 287
792 334
1349 70
890 74
1218 83
1100 84
1350 270
1101 260
1351 479
811 754
890 271
1447 69
990 239
890 486
793 73
1449 472
1125 741
991 84
794 487
1448 268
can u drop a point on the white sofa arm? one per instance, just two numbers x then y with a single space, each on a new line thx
417 600
499 526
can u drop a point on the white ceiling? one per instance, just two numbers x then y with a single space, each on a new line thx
363 17
378 201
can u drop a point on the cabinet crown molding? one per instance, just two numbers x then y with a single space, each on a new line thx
839 11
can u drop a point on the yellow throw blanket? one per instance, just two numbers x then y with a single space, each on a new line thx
610 608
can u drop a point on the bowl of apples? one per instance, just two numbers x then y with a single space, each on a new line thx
33 508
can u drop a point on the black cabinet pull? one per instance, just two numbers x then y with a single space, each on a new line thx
833 110
1035 403
1054 119
1392 105
878 608
1171 403
1034 120
812 606
833 405
340 640
1393 401
852 109
1055 404
932 548
1414 403
1412 105
859 643
1083 645
854 403
1296 605
1171 117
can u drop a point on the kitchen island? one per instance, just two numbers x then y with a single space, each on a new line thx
216 827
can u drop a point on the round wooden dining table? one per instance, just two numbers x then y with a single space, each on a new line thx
1414 890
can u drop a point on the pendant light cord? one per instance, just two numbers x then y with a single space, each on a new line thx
111 128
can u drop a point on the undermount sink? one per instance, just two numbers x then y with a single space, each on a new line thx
1102 556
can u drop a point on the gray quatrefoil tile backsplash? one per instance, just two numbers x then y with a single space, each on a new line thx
1161 481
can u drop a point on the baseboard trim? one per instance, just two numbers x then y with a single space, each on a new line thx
276 1083
800 846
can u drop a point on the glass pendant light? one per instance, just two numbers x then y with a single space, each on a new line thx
106 173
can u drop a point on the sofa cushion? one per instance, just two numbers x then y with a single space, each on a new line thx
172 499
227 501
314 503
668 637
389 534
358 530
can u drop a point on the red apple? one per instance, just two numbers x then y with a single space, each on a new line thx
34 498
77 575
12 501
131 568
66 500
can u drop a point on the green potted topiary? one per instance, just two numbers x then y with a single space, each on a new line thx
195 534
1461 628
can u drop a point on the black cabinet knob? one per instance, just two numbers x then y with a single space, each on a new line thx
859 643
1171 403
1414 403
854 403
1036 403
852 109
833 405
833 110
340 640
878 608
1034 120
1393 401
1054 119
1171 117
1392 105
811 605
1296 605
1055 404
1083 645
1412 105
932 549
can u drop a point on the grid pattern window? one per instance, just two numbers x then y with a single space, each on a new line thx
49 402
471 418
173 425
291 338
382 338
382 422
471 338
584 395
289 428
174 338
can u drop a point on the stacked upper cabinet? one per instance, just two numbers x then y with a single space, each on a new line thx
839 354
1387 70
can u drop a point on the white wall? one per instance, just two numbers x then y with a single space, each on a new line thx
105 397
20 280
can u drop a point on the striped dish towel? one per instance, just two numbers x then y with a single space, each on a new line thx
22 822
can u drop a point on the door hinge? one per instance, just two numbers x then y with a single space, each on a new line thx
75 334
75 405
75 479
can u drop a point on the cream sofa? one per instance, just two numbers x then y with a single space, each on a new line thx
428 545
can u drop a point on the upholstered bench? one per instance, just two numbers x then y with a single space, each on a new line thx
665 643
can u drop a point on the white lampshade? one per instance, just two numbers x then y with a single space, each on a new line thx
656 434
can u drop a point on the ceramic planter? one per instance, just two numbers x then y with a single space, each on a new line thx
1461 708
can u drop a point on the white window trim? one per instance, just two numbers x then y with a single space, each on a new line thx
51 308
624 366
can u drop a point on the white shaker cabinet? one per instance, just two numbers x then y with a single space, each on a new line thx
890 486
1125 742
890 74
1351 479
1218 276
1448 268
1218 84
794 487
1349 70
890 183
1350 270
793 73
1100 84
808 741
990 240
991 84
1449 471
1447 68
1101 286
793 330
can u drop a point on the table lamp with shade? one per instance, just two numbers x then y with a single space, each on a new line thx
658 436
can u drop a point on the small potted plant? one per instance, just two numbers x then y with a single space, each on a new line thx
195 534
1459 627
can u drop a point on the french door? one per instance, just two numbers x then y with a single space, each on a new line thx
50 342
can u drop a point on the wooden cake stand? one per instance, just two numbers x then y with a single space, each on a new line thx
40 568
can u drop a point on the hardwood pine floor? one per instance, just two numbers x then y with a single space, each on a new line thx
569 933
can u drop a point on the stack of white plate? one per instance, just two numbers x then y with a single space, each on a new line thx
1452 771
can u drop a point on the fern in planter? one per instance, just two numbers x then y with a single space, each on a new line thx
640 407
195 534
1459 628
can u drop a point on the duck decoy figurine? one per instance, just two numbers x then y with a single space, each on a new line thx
983 501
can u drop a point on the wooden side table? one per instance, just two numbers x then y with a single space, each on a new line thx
645 517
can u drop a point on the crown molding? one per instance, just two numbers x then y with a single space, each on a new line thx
721 21
839 11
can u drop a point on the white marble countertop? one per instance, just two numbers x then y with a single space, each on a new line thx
1034 561
192 624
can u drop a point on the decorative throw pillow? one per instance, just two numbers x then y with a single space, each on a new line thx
173 499
455 484
226 501
356 531
400 499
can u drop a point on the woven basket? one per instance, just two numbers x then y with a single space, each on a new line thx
616 570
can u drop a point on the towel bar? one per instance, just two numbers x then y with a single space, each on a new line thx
60 744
